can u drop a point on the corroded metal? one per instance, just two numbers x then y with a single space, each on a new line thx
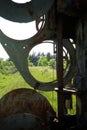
26 101
22 121
21 48
74 13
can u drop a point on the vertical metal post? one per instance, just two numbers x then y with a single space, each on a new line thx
59 46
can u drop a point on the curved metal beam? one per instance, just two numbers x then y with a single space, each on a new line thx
26 101
18 51
25 12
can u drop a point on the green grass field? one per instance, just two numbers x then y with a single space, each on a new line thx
12 81
43 74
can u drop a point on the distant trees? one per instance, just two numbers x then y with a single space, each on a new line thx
52 63
42 59
34 58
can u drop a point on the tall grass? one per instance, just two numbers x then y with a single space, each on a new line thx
13 81
43 74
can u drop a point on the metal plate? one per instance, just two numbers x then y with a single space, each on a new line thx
25 100
24 12
21 121
17 49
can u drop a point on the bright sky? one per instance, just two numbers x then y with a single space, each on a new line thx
22 1
21 31
3 53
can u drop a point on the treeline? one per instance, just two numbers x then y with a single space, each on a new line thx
40 59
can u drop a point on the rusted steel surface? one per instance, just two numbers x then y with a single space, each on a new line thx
22 121
26 101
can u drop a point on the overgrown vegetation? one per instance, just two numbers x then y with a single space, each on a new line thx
42 59
11 79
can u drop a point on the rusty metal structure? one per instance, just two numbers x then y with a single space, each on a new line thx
62 20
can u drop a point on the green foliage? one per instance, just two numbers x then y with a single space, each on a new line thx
11 82
11 79
14 81
7 67
35 58
52 63
43 61
30 63
73 110
43 74
49 56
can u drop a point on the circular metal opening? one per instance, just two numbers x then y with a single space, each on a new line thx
18 31
21 31
42 62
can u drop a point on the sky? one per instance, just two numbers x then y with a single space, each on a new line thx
22 1
21 31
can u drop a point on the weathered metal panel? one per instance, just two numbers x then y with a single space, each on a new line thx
24 12
26 101
22 121
15 50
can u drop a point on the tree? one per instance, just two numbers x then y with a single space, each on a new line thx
7 66
48 56
52 63
1 63
43 61
34 58
30 63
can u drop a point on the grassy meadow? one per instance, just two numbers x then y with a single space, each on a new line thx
9 82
